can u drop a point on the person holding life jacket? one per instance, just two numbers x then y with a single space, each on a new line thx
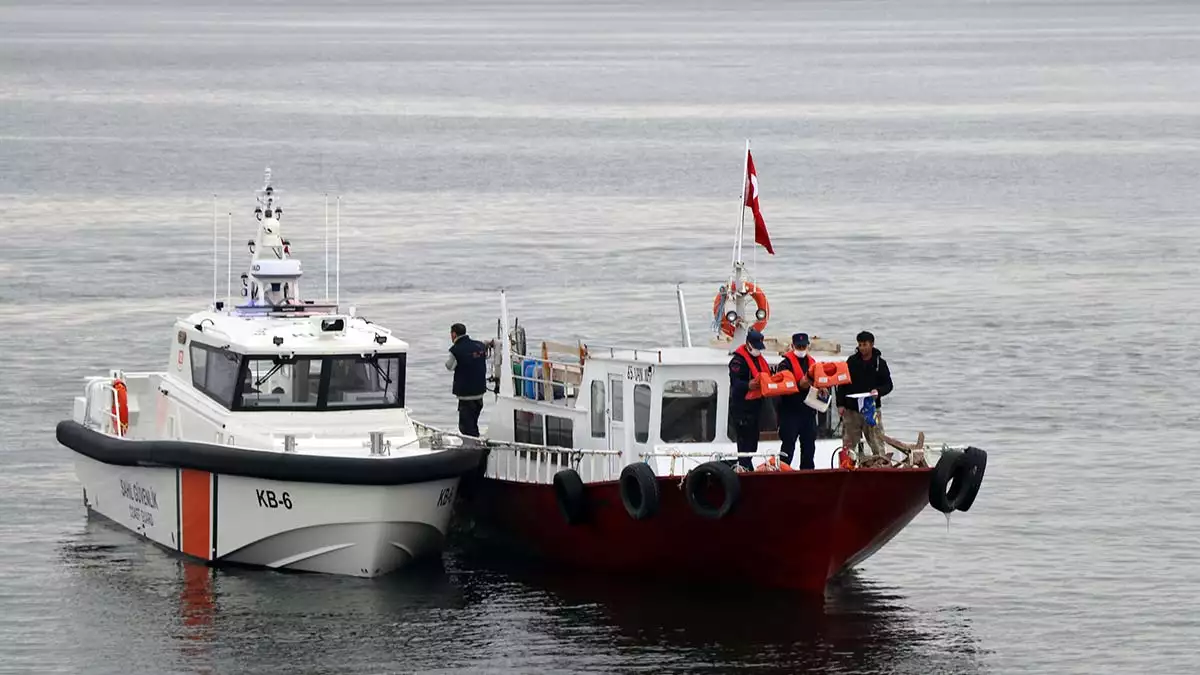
744 413
797 420
468 360
869 373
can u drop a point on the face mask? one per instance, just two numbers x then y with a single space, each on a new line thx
801 352
753 351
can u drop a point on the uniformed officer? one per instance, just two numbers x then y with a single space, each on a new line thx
797 420
744 368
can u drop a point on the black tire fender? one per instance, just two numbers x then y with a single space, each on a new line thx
699 478
976 460
568 492
946 482
639 491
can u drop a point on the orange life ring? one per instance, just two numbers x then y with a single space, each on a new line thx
829 373
120 406
760 301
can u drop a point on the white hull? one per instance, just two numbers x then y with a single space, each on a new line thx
355 530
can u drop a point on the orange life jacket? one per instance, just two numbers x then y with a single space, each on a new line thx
796 368
778 384
829 373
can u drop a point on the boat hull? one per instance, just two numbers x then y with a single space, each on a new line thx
355 530
793 530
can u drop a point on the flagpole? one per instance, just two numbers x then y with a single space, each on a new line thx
737 244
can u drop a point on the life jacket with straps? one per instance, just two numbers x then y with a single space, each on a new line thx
758 366
798 370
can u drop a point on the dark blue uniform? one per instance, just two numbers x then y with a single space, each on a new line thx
797 420
469 359
743 414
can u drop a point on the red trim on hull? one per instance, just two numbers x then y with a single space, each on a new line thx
789 530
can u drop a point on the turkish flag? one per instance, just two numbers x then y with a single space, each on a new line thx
760 226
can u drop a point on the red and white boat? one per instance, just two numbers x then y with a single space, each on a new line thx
618 459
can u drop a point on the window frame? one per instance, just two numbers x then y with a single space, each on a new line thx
211 353
712 403
599 419
535 420
642 416
565 429
236 404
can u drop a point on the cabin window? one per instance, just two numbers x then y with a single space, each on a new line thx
366 381
322 382
618 400
215 372
275 383
560 432
527 427
641 413
689 411
598 426
199 360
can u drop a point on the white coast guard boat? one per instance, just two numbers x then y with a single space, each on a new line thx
277 436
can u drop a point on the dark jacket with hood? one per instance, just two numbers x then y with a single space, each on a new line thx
865 375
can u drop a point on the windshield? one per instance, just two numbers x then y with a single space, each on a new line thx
322 382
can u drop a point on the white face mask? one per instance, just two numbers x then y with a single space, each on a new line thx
801 352
753 351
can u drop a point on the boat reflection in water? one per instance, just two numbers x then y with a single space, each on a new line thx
858 625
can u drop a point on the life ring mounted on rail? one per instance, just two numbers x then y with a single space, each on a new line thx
762 312
120 406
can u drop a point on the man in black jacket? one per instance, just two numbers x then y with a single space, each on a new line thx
468 360
796 419
745 366
868 374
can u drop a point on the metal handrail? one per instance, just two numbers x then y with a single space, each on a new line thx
590 349
532 463
540 376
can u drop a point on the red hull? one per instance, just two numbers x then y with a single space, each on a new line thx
789 530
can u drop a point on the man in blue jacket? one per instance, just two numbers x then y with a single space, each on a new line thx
468 360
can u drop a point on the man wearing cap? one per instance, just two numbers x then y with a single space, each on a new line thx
869 374
744 368
797 420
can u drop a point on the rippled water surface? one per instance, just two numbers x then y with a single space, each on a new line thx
1004 192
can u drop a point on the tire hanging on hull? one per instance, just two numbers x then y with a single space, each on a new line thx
956 479
568 492
698 480
639 491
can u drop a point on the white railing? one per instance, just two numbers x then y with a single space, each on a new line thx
569 377
530 463
110 422
615 351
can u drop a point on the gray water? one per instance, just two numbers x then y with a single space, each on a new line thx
1004 192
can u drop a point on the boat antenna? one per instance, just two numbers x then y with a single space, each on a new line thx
338 253
327 247
214 233
229 259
